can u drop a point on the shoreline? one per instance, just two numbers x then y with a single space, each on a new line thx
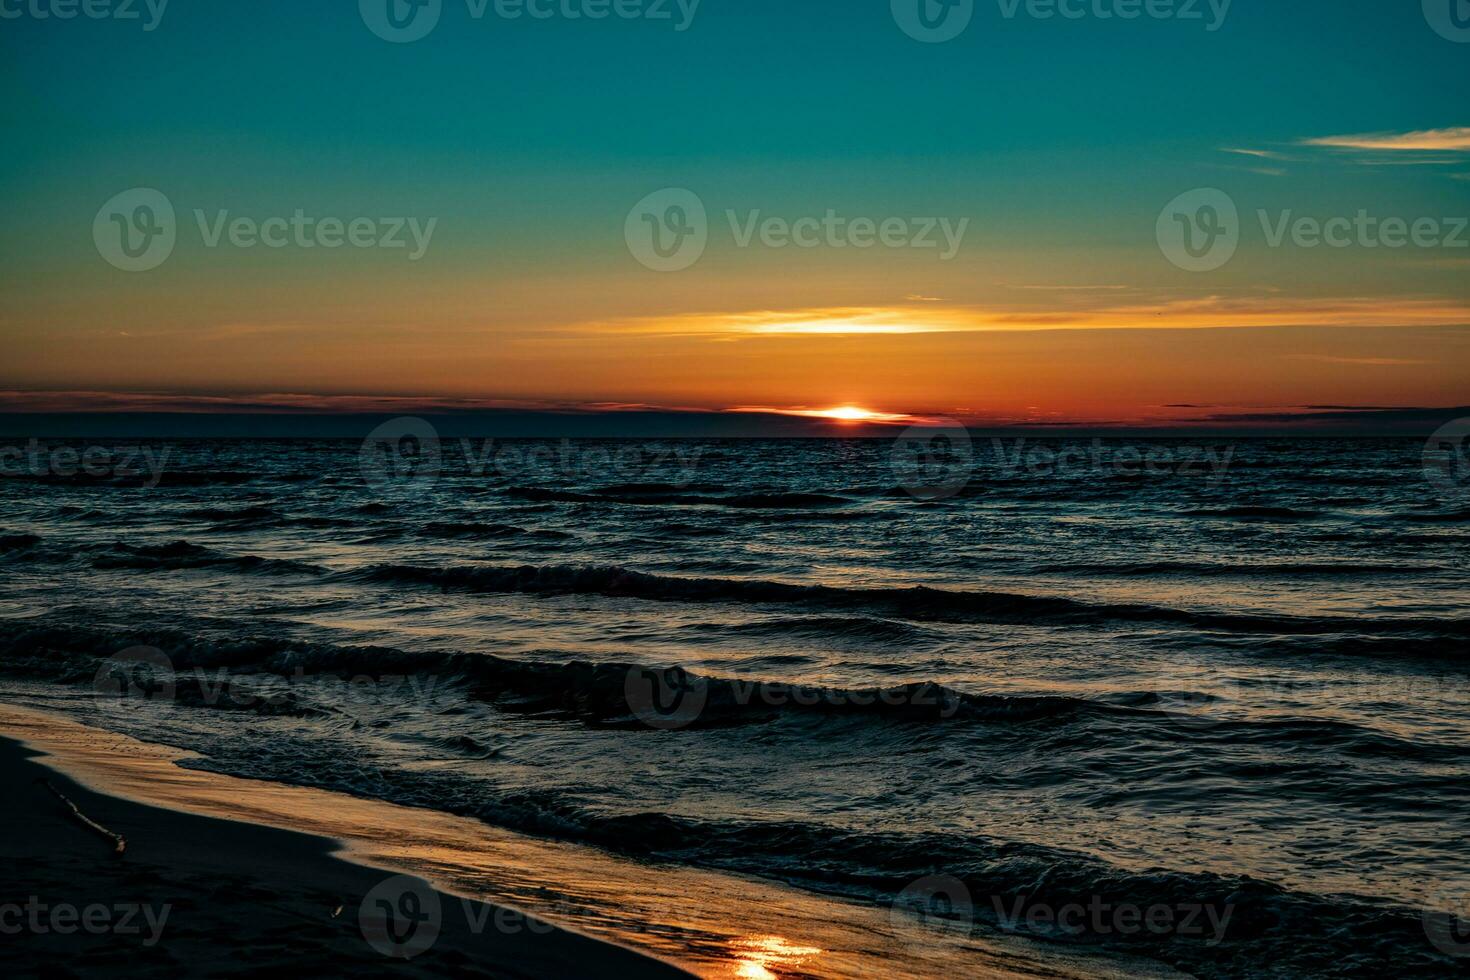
607 914
201 895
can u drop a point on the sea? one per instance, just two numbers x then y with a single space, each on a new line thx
1205 701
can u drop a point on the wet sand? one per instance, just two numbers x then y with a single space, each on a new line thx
195 896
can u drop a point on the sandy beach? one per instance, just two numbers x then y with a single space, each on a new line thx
198 896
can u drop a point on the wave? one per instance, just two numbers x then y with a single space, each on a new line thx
231 514
1239 923
823 627
608 694
1233 568
182 555
745 501
470 529
1246 512
682 530
918 603
618 694
1297 932
18 542
1450 517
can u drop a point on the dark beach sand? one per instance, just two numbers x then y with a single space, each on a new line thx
241 899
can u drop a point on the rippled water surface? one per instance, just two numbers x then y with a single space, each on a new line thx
1235 675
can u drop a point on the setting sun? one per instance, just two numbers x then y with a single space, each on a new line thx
848 413
842 413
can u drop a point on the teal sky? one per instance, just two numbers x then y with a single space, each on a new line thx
529 141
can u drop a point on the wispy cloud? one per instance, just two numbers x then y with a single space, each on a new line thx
1347 418
1068 289
1455 139
1262 154
22 400
1263 171
1360 361
1195 313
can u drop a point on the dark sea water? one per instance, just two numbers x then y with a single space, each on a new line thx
1229 675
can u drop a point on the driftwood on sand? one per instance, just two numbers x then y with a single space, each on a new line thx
119 844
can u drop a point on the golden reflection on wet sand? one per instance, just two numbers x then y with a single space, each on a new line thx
760 957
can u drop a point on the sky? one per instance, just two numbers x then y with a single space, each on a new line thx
983 220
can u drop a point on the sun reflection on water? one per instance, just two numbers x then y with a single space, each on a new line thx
761 957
